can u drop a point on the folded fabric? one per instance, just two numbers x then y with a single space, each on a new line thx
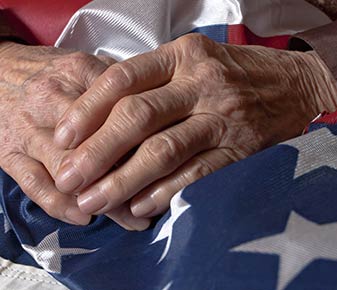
122 31
267 222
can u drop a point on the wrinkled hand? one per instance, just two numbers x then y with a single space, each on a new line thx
38 84
190 108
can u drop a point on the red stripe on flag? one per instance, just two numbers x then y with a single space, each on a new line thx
327 118
40 21
240 34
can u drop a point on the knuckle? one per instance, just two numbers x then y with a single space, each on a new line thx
125 108
6 165
28 140
90 157
80 58
115 190
31 183
189 39
200 169
205 56
136 110
203 168
72 63
9 160
212 128
83 110
120 74
51 205
41 85
213 69
48 204
82 63
193 41
164 151
85 66
210 76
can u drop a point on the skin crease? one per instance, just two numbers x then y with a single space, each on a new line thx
188 111
190 108
213 105
38 84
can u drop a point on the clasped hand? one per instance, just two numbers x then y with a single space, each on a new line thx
145 128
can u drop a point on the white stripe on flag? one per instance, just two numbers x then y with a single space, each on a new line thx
21 277
123 29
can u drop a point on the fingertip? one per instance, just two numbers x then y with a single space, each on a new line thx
137 224
73 215
91 203
143 207
68 178
128 221
152 201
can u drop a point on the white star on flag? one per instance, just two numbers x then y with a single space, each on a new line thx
316 149
178 207
7 225
301 243
48 252
168 286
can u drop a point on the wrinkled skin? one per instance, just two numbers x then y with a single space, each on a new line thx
38 84
184 110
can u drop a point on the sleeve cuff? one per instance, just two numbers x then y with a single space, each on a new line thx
323 40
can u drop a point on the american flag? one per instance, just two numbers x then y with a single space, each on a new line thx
268 222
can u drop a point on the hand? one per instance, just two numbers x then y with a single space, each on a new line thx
192 107
38 84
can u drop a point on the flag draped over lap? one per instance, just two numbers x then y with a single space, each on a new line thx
268 222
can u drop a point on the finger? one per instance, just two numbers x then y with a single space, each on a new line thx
39 145
125 218
132 120
157 157
37 184
88 113
155 199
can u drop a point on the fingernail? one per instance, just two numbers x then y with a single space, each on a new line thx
64 135
144 207
127 227
68 178
137 224
75 216
91 202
